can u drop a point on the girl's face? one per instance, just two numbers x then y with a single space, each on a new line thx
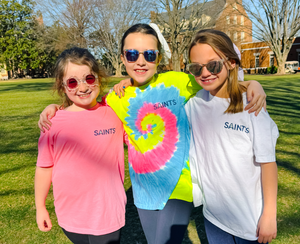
214 83
84 96
140 71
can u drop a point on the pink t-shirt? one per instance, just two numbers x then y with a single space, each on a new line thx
86 151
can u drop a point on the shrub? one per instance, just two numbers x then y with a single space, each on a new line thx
272 70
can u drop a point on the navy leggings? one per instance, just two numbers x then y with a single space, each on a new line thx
166 226
111 238
216 236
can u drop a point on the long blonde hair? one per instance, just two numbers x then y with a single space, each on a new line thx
79 56
223 46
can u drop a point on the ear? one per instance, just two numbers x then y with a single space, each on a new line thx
231 64
159 59
122 59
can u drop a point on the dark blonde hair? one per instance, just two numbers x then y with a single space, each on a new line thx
223 46
79 56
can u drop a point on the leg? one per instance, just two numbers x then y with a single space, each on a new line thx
166 226
216 236
77 238
149 220
111 238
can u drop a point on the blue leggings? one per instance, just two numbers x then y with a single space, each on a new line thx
111 238
166 226
217 236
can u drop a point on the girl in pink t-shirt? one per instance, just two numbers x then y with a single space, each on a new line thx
82 155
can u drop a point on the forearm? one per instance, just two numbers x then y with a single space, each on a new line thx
248 83
269 187
42 184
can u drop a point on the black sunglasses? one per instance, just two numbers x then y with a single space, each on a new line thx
214 67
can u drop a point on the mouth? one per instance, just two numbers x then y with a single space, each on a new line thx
85 95
140 71
208 81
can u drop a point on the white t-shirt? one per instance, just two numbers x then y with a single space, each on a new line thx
225 156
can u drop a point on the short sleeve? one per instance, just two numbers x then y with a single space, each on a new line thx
186 83
264 136
45 151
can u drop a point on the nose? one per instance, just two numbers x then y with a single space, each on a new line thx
205 72
141 60
82 87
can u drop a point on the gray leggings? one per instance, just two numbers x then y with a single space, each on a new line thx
166 226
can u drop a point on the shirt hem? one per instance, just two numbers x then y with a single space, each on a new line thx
226 229
92 232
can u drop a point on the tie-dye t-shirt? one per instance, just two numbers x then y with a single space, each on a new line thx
154 118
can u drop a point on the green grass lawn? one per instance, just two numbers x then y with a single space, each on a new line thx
21 102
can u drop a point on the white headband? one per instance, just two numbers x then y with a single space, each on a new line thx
165 47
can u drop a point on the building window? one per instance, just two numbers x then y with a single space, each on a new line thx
242 36
271 59
242 20
256 61
228 19
235 20
235 36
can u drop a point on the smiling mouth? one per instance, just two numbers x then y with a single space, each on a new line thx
208 80
85 94
140 70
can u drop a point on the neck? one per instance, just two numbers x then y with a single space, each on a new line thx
78 108
222 91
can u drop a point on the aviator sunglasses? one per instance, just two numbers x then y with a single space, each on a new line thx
132 55
214 67
73 83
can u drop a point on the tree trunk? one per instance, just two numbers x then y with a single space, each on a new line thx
281 63
281 68
176 61
118 68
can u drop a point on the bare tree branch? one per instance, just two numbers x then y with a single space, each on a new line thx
276 23
179 20
112 18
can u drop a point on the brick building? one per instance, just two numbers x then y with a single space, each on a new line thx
228 16
257 56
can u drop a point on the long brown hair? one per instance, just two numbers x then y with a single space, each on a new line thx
79 56
223 46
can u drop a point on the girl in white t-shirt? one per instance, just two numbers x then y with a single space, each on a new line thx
232 152
82 156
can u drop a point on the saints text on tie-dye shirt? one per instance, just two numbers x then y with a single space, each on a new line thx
154 118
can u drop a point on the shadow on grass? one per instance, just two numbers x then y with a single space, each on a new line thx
28 86
289 166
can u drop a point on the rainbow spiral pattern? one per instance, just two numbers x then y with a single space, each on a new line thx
158 133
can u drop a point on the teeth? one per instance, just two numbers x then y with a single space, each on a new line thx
84 95
139 70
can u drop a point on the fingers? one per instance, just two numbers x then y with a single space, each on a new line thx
265 237
45 225
256 104
119 90
44 123
265 105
